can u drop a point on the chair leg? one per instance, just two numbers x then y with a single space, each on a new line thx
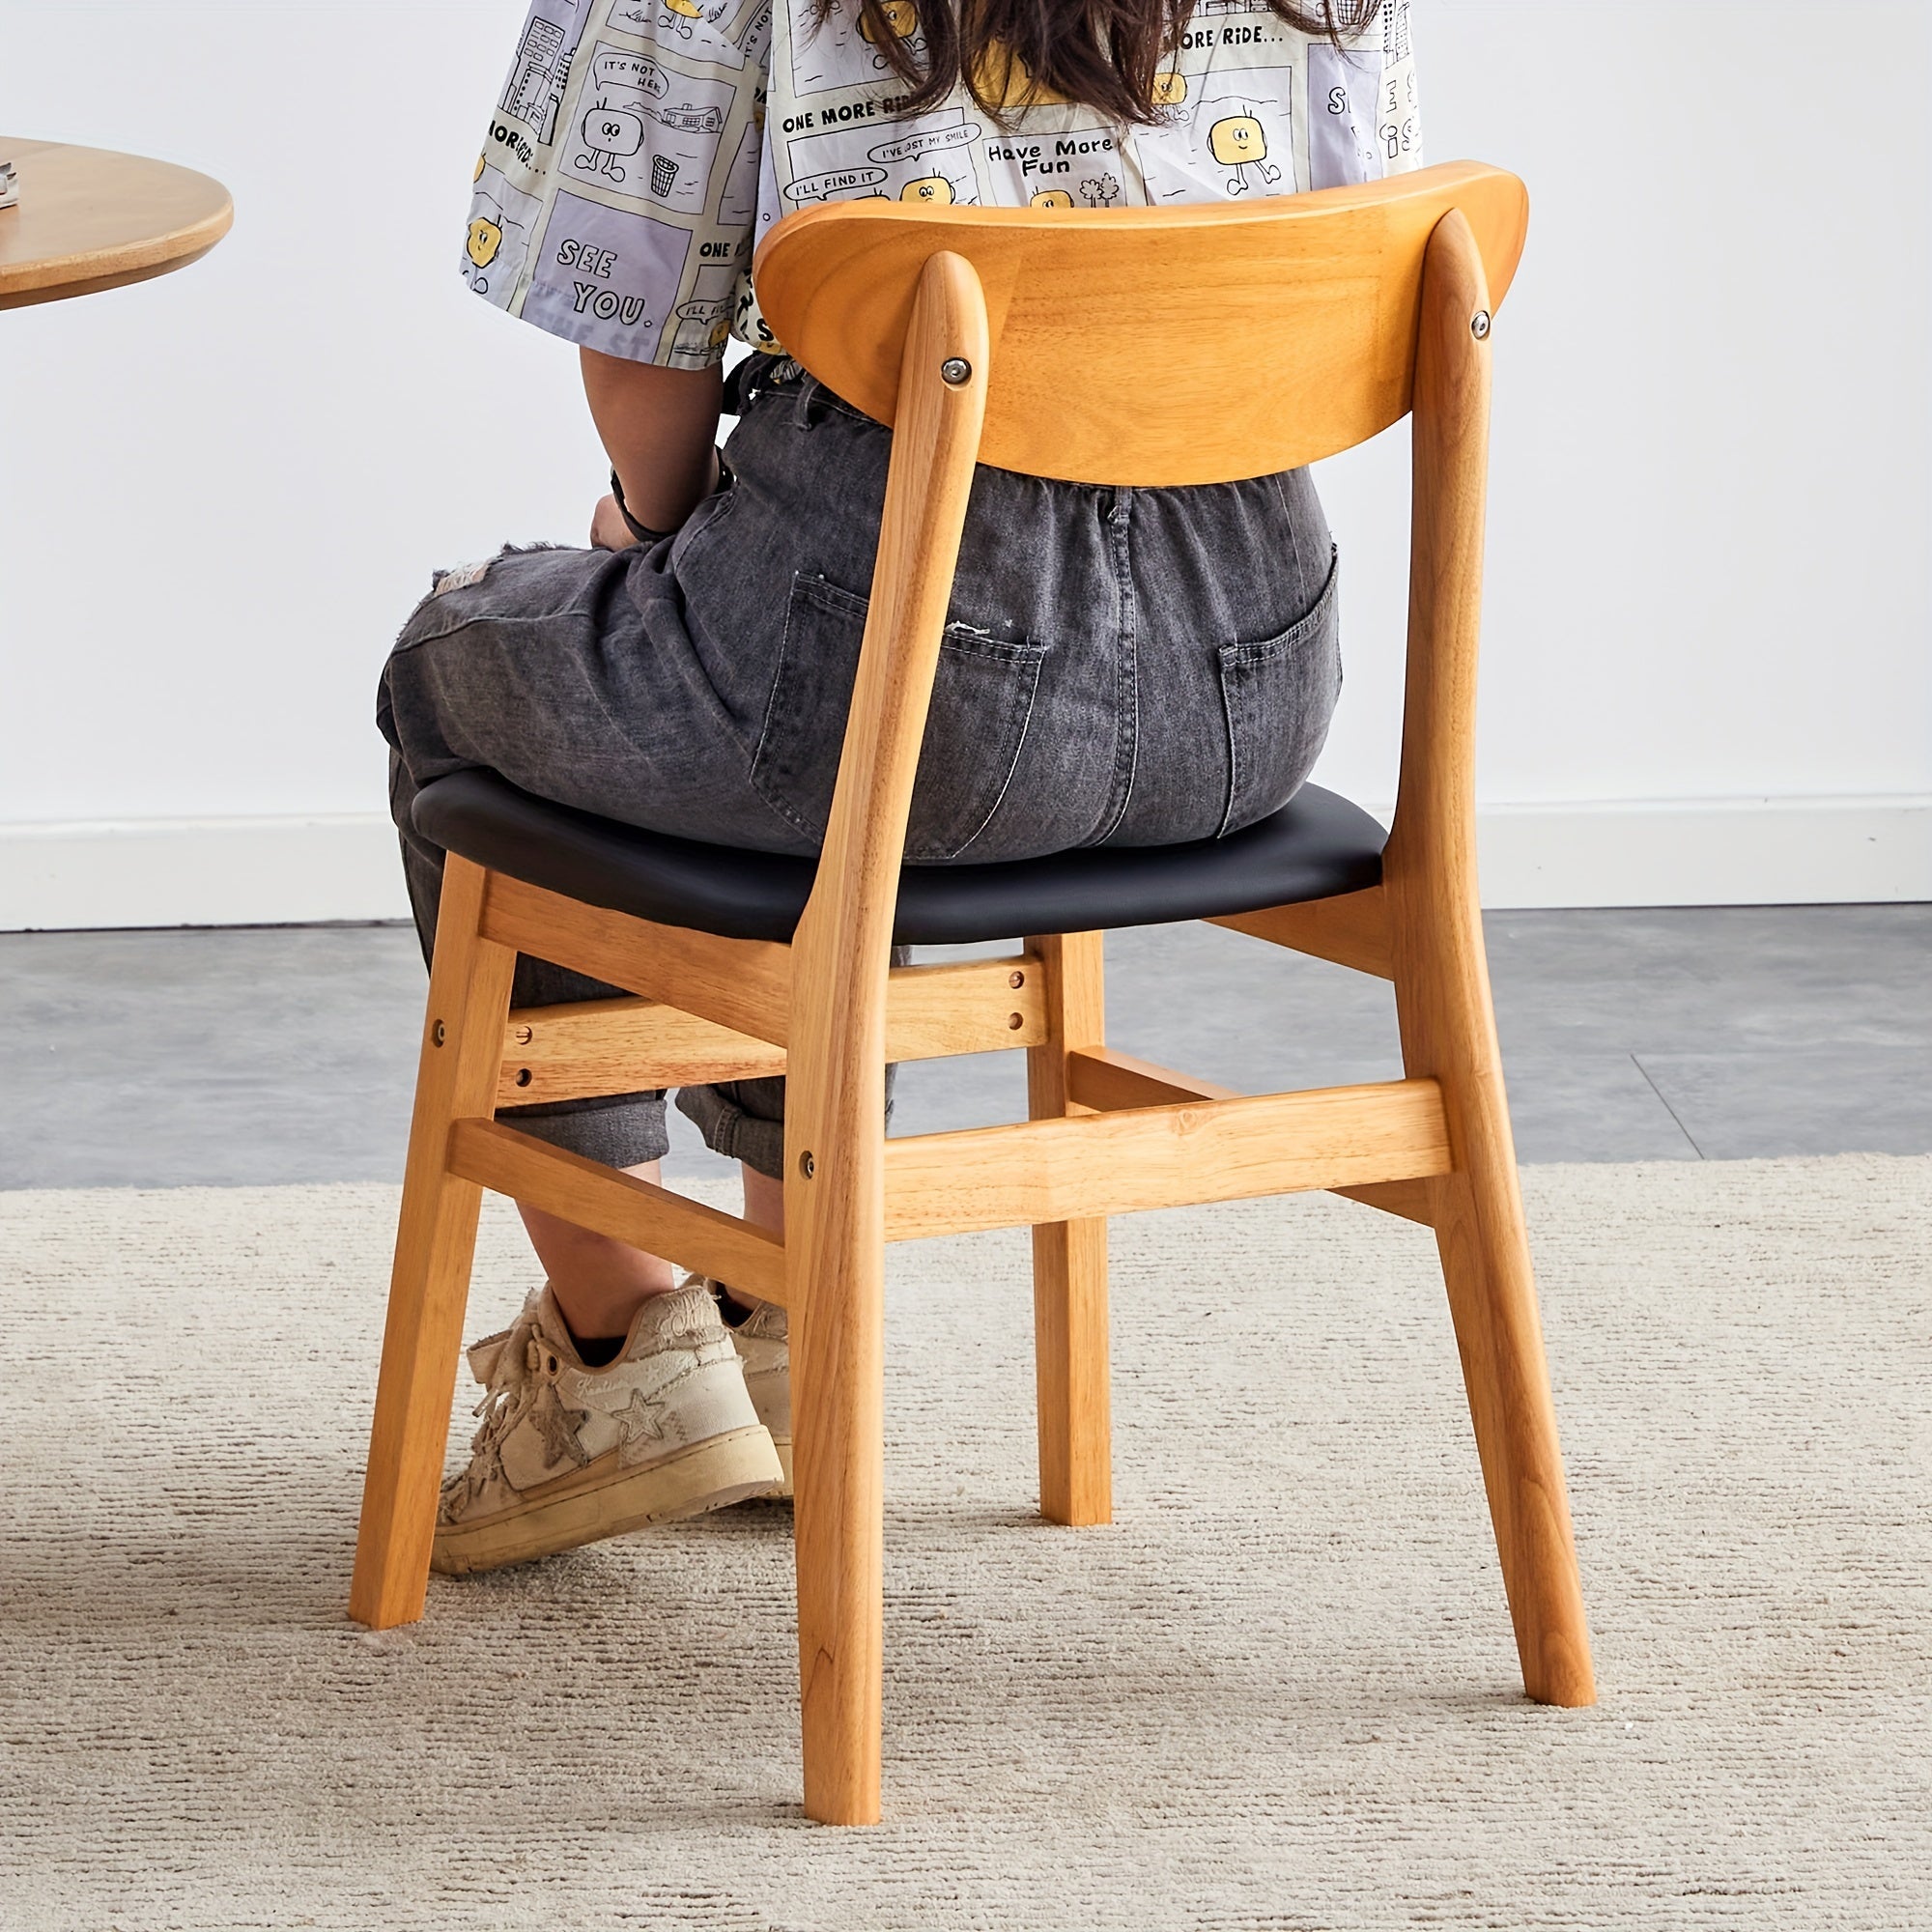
836 1275
1070 1263
1448 1025
1499 1334
1069 1319
436 1240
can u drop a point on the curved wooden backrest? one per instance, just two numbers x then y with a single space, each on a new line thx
1149 346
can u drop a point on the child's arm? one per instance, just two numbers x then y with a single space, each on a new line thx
660 429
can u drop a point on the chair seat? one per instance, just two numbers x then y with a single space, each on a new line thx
1316 847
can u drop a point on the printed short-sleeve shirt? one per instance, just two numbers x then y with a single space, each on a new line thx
640 148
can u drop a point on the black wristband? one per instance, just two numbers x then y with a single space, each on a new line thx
643 533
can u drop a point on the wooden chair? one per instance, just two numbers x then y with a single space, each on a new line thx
1272 334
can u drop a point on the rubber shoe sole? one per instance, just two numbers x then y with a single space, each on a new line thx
709 1475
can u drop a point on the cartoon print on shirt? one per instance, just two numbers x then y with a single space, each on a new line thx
500 219
541 70
1105 193
648 132
748 325
727 32
1398 125
1240 143
923 147
1396 45
1342 146
703 318
486 237
842 51
923 163
1051 197
1232 138
609 134
1067 151
751 33
606 276
704 328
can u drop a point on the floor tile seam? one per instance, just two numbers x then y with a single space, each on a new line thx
1667 1107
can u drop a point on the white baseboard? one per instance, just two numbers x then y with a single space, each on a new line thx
200 871
289 872
1733 851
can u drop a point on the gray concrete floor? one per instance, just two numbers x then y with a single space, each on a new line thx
285 1054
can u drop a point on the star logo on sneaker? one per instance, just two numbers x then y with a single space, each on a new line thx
640 1421
558 1428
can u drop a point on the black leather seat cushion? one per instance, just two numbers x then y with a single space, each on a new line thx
1316 846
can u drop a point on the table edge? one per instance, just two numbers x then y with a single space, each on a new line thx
49 277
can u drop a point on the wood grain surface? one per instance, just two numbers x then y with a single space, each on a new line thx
90 220
835 1129
1071 1369
1089 1165
1115 333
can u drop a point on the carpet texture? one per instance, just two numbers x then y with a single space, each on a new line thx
1278 1692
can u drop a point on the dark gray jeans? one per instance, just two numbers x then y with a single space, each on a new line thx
1121 667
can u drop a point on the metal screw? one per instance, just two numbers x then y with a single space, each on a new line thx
523 1076
1017 982
955 369
436 1033
1479 326
524 1035
807 1166
1015 1021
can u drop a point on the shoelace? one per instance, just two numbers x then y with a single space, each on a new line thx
511 1390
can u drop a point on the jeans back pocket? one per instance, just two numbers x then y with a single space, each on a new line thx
983 697
1280 697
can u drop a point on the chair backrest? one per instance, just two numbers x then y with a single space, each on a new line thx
1149 346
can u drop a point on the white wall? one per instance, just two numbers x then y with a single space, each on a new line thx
1708 675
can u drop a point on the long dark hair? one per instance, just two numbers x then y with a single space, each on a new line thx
1103 54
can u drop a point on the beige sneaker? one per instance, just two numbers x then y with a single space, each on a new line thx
764 1347
568 1454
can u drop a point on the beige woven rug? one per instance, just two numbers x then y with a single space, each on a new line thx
1279 1692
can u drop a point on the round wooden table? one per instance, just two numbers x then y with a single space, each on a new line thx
90 219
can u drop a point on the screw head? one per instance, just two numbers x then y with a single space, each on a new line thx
1479 325
525 1035
807 1166
523 1076
436 1033
955 369
1017 980
1015 1021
